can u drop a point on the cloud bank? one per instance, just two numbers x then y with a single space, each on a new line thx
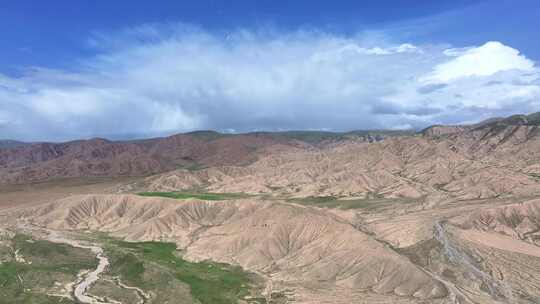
164 79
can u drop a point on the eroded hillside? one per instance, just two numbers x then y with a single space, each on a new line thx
451 215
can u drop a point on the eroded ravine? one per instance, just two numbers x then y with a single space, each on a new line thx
143 296
498 290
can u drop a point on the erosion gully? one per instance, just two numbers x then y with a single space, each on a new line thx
495 288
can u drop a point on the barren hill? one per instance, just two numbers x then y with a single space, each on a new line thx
22 163
290 244
450 215
493 160
99 157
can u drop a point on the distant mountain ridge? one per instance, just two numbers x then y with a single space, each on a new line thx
22 162
8 143
492 123
32 162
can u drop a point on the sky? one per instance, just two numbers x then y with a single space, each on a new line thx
124 69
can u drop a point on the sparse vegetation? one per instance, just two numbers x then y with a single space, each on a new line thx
40 265
207 196
370 204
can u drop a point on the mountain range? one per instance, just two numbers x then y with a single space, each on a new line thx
22 162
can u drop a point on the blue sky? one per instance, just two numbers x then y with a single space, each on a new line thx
72 69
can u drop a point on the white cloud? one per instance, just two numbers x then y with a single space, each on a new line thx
355 48
4 118
485 60
156 79
401 127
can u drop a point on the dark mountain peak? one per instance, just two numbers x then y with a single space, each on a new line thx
442 130
513 120
494 124
206 134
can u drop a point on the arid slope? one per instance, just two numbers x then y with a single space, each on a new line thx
291 245
451 215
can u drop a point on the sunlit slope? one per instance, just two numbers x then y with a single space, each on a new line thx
291 244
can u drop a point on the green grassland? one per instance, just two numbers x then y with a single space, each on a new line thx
207 196
157 266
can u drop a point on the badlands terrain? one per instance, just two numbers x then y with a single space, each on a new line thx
450 214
